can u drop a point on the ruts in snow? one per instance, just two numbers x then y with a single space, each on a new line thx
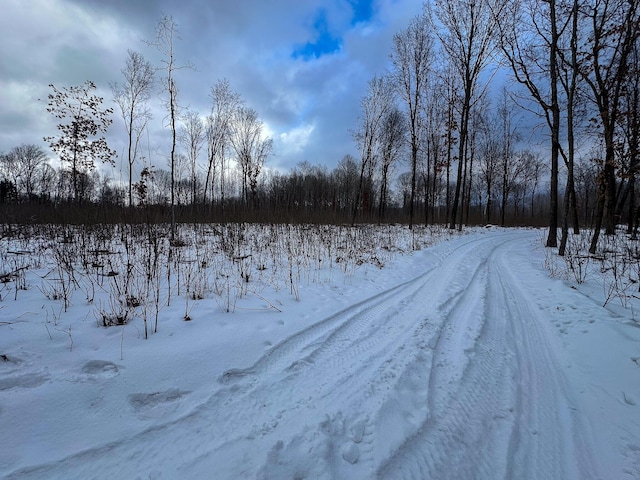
450 375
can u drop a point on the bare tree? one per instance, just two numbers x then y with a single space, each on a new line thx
437 140
346 176
513 176
166 33
468 30
85 120
534 168
569 73
225 103
251 149
475 126
375 105
613 29
392 141
22 165
45 180
131 97
451 97
490 153
631 134
411 57
530 38
191 136
508 137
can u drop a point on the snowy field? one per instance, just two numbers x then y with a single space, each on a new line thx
315 354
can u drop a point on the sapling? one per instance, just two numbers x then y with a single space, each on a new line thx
576 260
168 272
551 263
68 332
47 328
122 300
271 305
156 281
293 261
188 275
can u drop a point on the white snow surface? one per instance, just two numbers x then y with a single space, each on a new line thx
464 360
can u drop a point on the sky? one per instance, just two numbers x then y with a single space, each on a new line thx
302 65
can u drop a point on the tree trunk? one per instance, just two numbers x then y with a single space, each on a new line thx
552 238
565 221
172 108
464 121
598 216
414 167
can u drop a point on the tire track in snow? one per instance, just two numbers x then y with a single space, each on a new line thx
400 364
512 416
360 387
471 399
384 333
317 335
550 440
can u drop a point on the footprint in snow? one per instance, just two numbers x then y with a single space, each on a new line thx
101 368
628 399
234 375
632 454
28 380
9 363
156 404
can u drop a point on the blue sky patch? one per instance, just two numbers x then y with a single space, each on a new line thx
362 11
325 42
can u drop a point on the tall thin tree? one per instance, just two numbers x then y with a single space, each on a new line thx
166 34
412 56
529 37
468 33
191 136
375 105
613 29
392 141
131 98
225 104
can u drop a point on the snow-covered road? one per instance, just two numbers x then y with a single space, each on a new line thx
458 373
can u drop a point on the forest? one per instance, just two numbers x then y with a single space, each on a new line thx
440 140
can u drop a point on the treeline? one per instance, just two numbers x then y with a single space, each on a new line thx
32 191
436 141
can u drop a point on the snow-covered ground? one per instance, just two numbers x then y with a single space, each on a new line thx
464 360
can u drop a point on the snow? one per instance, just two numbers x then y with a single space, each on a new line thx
460 360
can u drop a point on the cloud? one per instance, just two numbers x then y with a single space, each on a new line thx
324 42
295 140
303 66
